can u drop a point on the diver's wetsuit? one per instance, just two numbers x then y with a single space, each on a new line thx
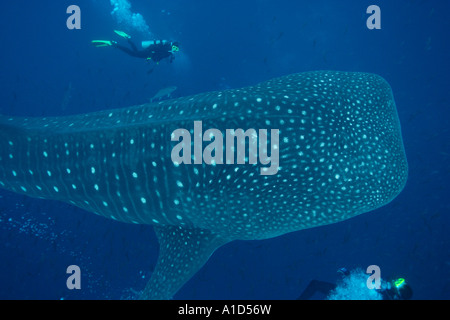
157 51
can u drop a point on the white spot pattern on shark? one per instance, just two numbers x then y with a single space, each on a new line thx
341 154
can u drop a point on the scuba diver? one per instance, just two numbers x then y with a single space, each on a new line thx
155 50
396 289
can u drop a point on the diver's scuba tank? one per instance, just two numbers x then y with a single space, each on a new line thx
148 43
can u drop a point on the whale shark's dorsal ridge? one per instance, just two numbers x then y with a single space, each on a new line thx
340 147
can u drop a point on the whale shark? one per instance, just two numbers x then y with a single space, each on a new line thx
340 152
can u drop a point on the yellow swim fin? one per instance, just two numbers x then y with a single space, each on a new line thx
102 43
122 34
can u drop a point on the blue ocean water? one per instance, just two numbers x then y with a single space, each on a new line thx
48 70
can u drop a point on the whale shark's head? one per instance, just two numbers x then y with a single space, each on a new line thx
341 149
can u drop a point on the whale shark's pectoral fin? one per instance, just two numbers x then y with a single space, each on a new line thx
182 252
